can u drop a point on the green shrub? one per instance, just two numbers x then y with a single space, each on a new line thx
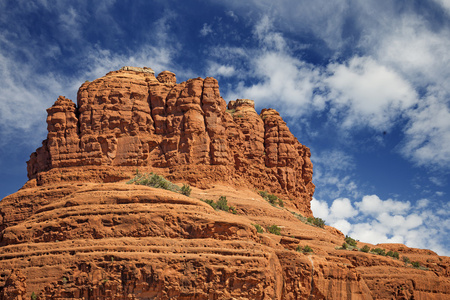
365 248
345 246
316 222
186 190
406 260
379 251
350 241
271 198
221 204
33 296
210 202
274 229
306 249
415 264
156 181
259 229
392 254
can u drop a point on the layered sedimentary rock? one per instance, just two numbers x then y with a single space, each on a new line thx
130 118
122 241
77 230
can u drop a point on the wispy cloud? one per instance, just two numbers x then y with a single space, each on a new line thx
206 29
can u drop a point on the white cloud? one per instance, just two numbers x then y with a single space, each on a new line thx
216 69
206 29
373 205
342 209
428 133
373 94
232 15
376 221
445 4
320 209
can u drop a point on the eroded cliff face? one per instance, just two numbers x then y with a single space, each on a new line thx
77 230
131 119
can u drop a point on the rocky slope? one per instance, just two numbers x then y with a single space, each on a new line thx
77 230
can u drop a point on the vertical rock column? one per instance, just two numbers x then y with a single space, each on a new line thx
214 108
288 159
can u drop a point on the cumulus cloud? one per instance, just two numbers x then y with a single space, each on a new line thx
373 205
374 94
374 220
391 77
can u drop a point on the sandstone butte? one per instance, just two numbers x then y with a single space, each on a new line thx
77 230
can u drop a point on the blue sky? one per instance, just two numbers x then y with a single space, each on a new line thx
364 84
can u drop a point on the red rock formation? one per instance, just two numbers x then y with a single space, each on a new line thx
129 118
75 232
122 241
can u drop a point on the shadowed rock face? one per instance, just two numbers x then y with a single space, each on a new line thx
129 118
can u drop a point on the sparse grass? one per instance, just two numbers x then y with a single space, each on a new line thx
378 251
393 254
221 204
406 260
186 190
274 229
259 229
306 249
158 181
231 111
350 241
316 222
365 249
271 198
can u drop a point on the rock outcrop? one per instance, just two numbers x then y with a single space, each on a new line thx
78 230
131 119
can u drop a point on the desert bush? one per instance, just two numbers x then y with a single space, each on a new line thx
271 198
406 260
316 222
33 296
350 241
392 254
415 264
259 229
306 249
345 246
221 204
365 248
186 190
154 180
379 251
274 229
